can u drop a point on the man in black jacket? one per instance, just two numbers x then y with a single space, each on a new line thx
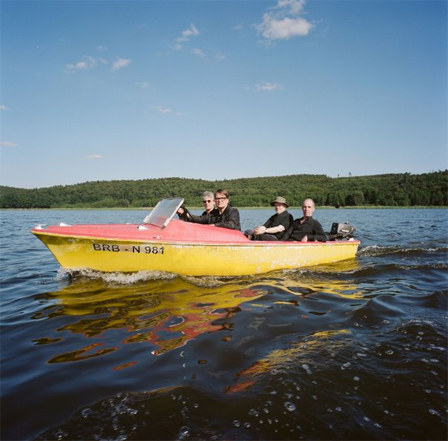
228 217
223 215
276 226
306 228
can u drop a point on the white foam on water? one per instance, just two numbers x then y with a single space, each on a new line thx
117 277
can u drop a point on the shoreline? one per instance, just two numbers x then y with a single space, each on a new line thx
351 207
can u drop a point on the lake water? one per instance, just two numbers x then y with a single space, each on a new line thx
351 351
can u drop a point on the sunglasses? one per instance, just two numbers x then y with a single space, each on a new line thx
206 202
220 199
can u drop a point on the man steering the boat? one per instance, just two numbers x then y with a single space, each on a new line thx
223 215
306 228
208 199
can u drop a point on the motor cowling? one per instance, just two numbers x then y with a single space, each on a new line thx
341 231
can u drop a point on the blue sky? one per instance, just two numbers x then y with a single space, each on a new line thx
105 90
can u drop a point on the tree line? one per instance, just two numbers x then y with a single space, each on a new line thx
405 189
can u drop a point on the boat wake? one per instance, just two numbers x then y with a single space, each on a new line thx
290 278
115 277
378 250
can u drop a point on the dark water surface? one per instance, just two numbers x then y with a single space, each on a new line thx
352 351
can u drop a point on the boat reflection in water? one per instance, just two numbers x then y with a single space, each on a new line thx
168 312
288 355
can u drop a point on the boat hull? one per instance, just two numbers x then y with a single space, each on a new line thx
116 249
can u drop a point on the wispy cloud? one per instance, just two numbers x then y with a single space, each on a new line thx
284 21
163 110
142 85
8 144
167 111
3 107
87 62
93 157
268 87
187 34
120 63
197 52
180 44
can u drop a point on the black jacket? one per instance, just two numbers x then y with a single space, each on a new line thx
310 228
275 220
230 218
186 216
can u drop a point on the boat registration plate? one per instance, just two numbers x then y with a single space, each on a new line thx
139 249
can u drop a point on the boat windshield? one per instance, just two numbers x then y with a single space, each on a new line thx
163 212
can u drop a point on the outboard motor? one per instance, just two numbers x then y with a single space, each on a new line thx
341 231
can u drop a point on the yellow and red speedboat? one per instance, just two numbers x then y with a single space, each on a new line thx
162 243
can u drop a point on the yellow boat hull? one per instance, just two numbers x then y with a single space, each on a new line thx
192 259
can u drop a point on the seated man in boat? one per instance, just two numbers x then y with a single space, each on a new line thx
276 226
306 228
223 215
208 199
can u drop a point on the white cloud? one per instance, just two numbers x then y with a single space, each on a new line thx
268 87
198 52
167 111
120 63
87 63
3 107
101 48
77 66
8 144
192 31
93 157
284 21
143 85
283 29
188 33
163 110
295 6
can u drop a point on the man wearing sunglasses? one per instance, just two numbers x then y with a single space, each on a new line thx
208 199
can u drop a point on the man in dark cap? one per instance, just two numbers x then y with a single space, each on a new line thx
274 228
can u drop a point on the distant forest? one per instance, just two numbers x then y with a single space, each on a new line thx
429 189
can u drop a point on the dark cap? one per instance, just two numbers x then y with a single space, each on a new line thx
279 200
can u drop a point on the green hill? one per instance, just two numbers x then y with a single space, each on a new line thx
429 189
